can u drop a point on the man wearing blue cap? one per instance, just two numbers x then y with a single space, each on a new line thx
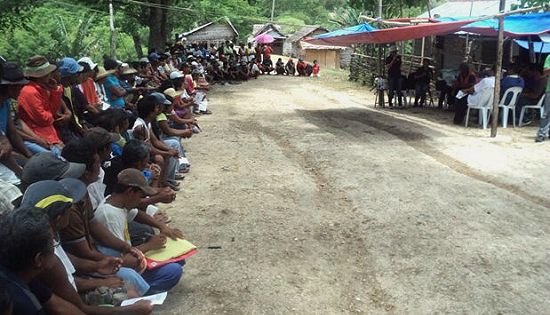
74 99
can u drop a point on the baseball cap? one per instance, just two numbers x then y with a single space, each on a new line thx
144 60
45 166
160 98
154 56
68 66
176 75
100 137
54 196
88 61
134 178
111 63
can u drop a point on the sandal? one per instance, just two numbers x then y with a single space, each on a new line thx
205 112
173 186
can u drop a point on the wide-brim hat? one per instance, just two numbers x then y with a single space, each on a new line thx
102 73
12 74
173 93
38 67
125 69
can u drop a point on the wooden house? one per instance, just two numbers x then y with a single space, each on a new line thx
292 45
273 30
212 33
331 57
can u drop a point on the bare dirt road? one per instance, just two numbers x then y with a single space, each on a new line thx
324 205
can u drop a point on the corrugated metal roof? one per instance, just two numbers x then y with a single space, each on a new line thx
461 8
226 20
305 31
269 28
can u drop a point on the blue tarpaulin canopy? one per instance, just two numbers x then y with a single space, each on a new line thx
538 47
517 25
356 29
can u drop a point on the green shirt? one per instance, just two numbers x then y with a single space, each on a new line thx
547 66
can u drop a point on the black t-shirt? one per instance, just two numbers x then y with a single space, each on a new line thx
395 69
423 75
26 298
112 167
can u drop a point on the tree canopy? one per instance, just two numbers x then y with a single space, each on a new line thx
63 27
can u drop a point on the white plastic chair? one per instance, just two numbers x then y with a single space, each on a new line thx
538 106
485 107
513 94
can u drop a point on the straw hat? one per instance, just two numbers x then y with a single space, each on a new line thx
125 69
38 67
172 93
102 73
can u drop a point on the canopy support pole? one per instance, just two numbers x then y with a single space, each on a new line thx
381 101
380 63
498 70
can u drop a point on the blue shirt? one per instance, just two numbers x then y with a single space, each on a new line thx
508 82
26 298
114 101
4 116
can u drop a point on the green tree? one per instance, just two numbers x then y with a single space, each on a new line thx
15 13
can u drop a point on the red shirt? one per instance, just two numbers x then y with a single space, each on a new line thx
88 89
316 69
267 52
38 107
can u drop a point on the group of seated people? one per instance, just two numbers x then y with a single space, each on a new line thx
230 63
301 68
529 78
88 153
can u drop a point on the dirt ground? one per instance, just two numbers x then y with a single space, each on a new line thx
322 204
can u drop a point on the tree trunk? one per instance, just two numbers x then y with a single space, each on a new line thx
158 26
137 45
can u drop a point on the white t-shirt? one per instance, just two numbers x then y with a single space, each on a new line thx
69 268
116 220
96 190
481 90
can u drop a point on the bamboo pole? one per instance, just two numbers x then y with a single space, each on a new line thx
380 62
498 70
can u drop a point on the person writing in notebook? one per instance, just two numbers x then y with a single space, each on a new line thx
119 208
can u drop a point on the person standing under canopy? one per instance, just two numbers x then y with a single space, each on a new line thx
393 66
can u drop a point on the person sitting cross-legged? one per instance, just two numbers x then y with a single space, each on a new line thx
280 67
119 208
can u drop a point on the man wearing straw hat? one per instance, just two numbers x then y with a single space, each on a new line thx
40 102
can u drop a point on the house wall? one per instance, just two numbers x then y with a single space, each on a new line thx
327 58
293 49
277 46
345 57
215 33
